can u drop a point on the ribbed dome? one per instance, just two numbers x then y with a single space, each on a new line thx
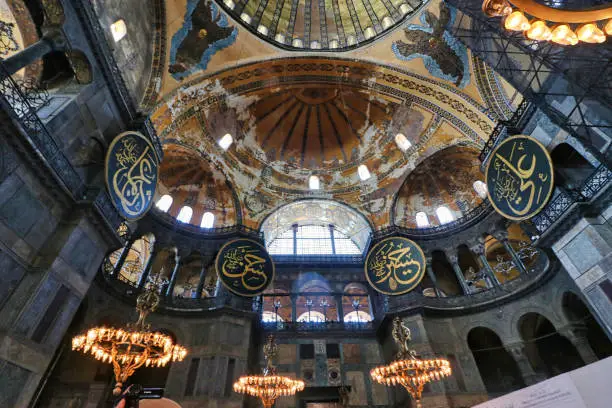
326 24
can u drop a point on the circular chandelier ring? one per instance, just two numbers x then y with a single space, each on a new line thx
554 15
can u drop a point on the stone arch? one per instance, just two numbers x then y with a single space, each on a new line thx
356 300
497 367
549 352
570 166
579 316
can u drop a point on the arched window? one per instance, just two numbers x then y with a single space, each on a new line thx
357 317
311 317
402 142
271 317
208 220
185 214
164 203
313 183
481 189
118 30
316 227
226 141
444 215
363 172
421 220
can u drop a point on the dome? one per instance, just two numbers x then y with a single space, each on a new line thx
193 182
330 25
442 184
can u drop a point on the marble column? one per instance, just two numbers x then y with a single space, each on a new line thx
144 276
293 308
517 351
339 307
122 257
577 335
433 278
454 260
202 280
174 276
479 250
50 42
503 238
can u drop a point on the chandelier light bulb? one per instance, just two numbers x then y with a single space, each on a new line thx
516 21
590 33
608 27
539 31
563 35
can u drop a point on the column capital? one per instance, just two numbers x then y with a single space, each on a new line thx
500 235
478 249
452 257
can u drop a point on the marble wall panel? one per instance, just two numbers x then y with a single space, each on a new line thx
351 353
358 395
12 380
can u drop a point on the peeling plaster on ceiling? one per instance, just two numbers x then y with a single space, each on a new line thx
277 144
191 180
443 179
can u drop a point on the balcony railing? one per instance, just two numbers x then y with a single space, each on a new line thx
317 326
415 300
557 208
21 101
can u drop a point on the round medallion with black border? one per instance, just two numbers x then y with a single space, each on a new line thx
244 267
395 265
519 177
131 173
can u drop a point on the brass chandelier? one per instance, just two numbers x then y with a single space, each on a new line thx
564 27
269 386
129 348
408 370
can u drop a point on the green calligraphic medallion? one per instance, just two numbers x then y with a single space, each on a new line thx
395 266
244 267
131 171
519 177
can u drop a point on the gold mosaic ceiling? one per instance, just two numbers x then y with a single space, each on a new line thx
320 24
293 118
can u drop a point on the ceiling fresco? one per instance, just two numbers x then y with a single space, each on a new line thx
191 180
293 118
445 178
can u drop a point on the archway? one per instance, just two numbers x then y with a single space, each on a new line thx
548 352
579 315
571 168
497 368
442 269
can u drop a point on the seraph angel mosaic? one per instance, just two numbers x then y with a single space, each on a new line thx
444 56
205 31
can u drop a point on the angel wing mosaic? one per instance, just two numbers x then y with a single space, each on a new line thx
444 56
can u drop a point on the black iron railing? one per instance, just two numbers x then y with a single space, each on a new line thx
415 300
562 202
520 116
317 326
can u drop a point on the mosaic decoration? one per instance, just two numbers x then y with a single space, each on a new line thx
395 266
244 267
131 171
520 177
436 182
300 25
277 112
444 56
205 31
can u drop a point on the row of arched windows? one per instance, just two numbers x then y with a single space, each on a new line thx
186 212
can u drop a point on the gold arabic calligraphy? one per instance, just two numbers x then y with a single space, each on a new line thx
242 262
393 262
134 180
518 183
